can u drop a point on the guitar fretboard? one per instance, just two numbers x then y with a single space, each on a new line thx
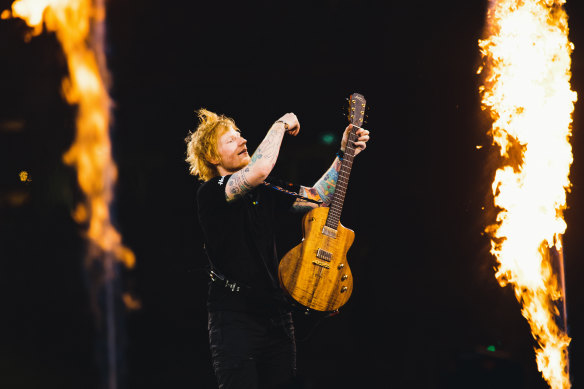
334 215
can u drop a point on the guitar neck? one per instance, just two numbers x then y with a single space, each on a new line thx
356 113
336 207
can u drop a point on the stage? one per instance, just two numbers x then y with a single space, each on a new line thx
426 310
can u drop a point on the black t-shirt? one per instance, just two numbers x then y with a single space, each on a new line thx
240 241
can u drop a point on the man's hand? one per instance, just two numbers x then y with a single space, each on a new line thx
360 143
291 123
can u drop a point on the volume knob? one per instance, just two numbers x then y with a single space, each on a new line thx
344 289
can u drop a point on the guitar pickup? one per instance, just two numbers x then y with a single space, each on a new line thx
324 255
321 264
329 232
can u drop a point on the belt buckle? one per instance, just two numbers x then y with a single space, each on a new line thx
231 285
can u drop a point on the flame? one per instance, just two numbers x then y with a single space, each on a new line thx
72 21
131 302
526 65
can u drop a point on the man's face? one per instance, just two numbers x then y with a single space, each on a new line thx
233 151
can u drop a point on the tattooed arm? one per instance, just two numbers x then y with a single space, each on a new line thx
324 188
263 159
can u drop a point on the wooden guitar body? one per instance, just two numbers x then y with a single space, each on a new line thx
315 273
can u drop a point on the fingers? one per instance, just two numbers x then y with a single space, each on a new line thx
363 136
294 128
361 142
362 132
360 145
292 123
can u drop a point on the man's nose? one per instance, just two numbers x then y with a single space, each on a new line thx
242 141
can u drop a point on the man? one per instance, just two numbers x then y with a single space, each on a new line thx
251 332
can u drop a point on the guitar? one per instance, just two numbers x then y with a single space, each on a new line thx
315 273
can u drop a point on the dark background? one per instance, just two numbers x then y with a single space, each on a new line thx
426 304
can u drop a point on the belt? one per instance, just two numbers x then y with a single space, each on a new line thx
229 284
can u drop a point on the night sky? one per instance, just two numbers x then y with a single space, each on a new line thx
425 307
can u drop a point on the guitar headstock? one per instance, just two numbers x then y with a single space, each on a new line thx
356 109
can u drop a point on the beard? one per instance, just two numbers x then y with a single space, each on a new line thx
238 162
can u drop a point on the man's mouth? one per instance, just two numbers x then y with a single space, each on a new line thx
243 152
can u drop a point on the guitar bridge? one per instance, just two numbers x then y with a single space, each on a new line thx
321 264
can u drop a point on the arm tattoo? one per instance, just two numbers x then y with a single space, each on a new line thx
323 189
263 159
237 186
302 205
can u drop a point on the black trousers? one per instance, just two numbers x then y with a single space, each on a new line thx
251 351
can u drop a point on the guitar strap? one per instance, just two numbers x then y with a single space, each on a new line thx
291 193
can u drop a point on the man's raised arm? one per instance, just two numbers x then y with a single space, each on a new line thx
263 159
324 188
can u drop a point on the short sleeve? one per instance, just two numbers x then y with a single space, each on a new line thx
211 195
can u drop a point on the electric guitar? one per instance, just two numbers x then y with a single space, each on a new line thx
315 273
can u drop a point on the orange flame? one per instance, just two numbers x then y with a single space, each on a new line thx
527 92
72 21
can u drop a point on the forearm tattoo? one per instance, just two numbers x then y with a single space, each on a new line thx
325 187
323 190
302 205
263 158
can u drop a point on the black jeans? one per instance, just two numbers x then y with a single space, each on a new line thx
252 351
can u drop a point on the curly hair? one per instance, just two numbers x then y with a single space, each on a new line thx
202 143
